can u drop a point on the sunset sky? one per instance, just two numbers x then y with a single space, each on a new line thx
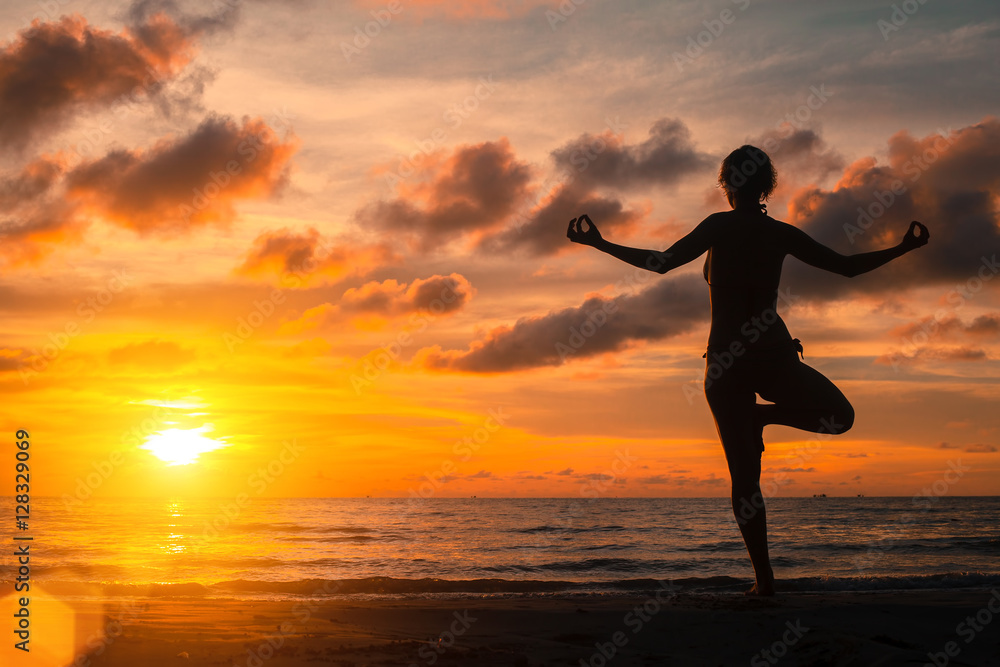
323 244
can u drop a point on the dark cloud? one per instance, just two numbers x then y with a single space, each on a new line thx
984 325
484 195
33 233
666 308
142 13
545 231
798 154
590 162
676 479
664 158
11 359
33 181
34 219
655 479
283 250
186 182
463 195
295 256
437 295
980 449
932 353
53 70
948 181
952 354
176 185
987 326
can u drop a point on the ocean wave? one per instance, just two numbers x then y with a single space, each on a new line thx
602 564
947 580
608 547
908 545
711 547
288 527
477 587
359 539
576 529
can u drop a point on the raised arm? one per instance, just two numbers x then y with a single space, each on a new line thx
814 253
694 244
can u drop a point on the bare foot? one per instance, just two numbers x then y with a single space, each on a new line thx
765 588
762 591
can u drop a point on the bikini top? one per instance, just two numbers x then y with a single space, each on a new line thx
748 282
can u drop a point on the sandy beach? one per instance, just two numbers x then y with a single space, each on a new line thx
881 628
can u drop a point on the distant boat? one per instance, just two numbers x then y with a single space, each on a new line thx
819 495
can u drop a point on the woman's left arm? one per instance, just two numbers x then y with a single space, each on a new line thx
690 247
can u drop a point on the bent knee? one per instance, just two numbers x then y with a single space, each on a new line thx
845 420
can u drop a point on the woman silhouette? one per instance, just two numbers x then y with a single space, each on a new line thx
749 348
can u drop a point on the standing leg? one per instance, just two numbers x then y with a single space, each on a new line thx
732 404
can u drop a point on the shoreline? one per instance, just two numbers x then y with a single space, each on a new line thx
391 588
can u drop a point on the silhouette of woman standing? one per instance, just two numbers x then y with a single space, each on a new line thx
749 348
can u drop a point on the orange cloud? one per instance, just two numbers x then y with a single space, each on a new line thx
55 69
297 256
541 230
39 219
590 162
483 195
666 156
10 359
443 293
36 179
801 152
173 186
933 353
185 182
436 295
987 326
464 195
947 180
598 325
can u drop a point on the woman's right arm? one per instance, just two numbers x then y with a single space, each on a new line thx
812 252
688 248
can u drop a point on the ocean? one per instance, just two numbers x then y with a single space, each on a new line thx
284 548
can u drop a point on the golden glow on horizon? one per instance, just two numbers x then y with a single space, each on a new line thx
181 405
177 446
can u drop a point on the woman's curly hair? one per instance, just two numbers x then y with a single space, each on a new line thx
747 172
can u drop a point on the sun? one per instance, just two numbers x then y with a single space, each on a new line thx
176 446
